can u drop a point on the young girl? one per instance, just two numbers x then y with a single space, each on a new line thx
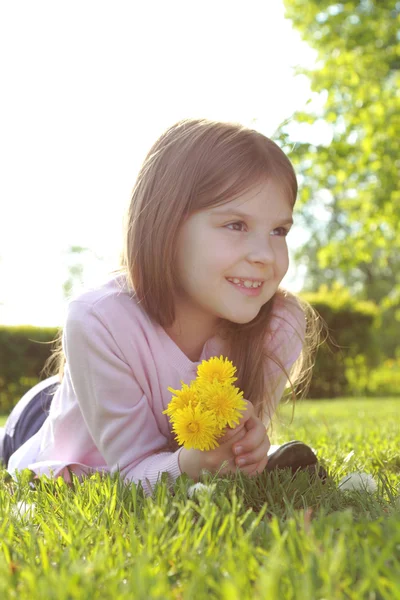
204 253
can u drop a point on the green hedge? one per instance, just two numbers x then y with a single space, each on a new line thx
347 366
23 353
351 329
382 381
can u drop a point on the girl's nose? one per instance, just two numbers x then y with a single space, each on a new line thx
262 251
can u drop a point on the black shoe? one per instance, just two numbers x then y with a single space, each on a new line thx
296 456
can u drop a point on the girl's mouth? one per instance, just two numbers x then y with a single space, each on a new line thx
247 291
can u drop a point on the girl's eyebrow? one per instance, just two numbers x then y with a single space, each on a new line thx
238 213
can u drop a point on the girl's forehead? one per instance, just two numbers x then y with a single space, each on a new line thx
269 192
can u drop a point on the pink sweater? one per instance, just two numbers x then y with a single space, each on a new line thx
107 413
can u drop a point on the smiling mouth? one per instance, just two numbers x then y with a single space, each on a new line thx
248 284
247 291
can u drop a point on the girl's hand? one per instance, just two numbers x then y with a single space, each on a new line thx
193 462
250 435
251 450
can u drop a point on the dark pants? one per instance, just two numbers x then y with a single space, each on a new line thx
26 418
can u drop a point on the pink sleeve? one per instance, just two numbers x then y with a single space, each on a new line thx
284 341
114 407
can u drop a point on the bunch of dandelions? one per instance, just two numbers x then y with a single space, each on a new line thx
201 411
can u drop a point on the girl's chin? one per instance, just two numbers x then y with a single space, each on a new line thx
241 318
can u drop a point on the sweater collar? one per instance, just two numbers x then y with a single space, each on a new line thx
177 358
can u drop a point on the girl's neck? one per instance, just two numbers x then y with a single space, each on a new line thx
190 335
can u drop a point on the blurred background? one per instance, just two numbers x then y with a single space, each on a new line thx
87 87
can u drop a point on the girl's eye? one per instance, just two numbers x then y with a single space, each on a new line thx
236 223
237 226
280 231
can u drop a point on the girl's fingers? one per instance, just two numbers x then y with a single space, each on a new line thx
252 422
247 421
253 470
231 433
251 440
254 457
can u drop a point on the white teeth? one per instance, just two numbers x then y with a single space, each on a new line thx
246 282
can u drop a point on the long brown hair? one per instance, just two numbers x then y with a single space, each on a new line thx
197 164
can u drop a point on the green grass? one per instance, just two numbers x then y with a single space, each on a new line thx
273 537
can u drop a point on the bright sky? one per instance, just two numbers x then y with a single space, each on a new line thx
87 87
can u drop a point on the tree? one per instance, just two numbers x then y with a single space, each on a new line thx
355 179
352 183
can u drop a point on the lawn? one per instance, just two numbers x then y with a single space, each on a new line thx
276 536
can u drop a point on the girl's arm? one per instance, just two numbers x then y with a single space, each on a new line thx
115 409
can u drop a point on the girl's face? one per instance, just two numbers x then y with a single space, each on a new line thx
243 239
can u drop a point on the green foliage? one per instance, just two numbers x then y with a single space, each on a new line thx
350 325
352 181
274 536
384 380
23 352
75 271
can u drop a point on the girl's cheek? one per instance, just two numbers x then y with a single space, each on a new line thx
227 247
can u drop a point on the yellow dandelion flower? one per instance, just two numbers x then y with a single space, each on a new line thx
188 395
195 428
216 369
225 402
